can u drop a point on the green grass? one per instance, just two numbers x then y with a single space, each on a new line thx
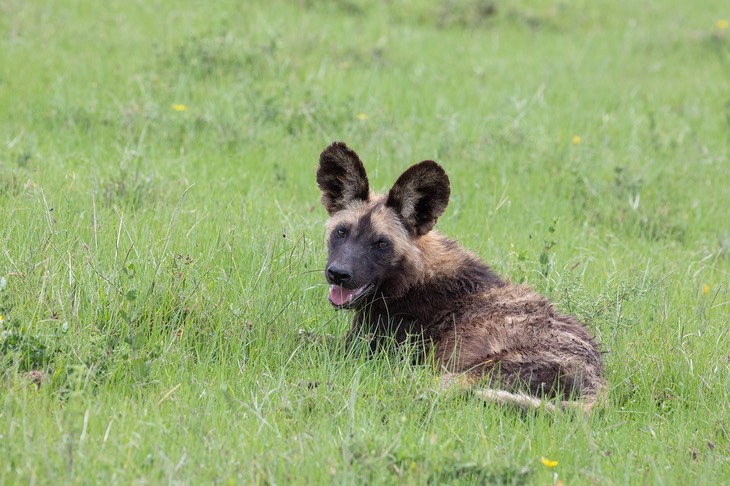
161 269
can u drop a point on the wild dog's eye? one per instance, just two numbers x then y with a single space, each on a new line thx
340 232
381 245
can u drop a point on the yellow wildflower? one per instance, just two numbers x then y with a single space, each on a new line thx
1 318
576 139
705 290
362 116
547 462
179 107
722 24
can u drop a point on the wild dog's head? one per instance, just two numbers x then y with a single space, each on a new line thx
372 238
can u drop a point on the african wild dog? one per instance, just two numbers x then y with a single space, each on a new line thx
406 281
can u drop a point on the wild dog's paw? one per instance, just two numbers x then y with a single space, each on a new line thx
454 381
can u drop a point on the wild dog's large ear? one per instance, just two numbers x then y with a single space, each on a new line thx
341 177
420 196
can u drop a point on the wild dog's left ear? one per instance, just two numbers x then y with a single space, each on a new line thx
420 196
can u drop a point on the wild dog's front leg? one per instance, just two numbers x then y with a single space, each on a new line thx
376 333
357 336
352 336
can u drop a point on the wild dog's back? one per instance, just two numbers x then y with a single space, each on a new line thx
515 339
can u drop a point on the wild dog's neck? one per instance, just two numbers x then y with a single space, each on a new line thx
438 257
444 262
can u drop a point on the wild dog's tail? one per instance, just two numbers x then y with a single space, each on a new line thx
524 401
527 402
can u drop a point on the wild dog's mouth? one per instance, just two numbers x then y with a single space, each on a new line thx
343 298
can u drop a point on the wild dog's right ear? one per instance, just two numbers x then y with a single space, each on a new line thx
341 177
420 196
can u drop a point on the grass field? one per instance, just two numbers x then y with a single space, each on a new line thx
161 237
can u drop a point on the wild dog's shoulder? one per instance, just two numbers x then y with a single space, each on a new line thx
449 267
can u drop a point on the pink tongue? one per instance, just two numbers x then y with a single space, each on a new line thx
340 295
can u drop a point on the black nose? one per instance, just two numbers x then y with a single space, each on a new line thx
338 275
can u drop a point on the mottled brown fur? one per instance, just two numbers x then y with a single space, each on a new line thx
407 283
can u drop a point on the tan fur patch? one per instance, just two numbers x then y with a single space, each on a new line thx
437 259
